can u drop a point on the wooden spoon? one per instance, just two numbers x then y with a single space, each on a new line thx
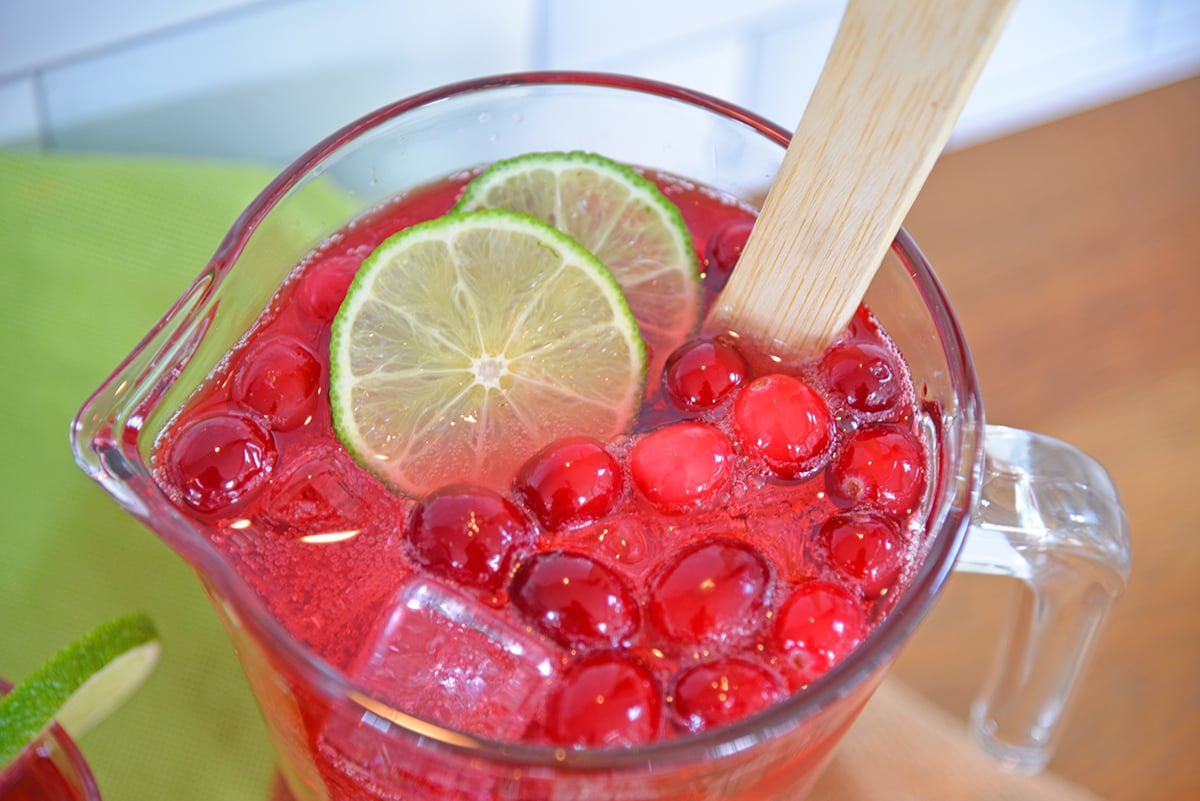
892 88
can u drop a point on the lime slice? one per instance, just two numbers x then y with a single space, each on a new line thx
621 217
81 684
467 343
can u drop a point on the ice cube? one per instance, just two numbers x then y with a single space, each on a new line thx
446 657
326 497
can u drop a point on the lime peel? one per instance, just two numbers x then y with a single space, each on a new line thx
81 684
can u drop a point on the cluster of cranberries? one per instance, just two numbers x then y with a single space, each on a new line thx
716 627
713 632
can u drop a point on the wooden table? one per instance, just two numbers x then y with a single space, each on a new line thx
1070 254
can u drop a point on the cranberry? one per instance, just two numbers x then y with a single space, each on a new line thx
880 467
714 693
702 372
569 482
726 244
713 592
279 379
681 466
865 548
604 700
218 462
575 600
323 287
783 423
469 534
817 626
864 374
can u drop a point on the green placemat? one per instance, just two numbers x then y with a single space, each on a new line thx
92 252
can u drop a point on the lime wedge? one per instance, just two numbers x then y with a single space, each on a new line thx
467 343
81 684
621 217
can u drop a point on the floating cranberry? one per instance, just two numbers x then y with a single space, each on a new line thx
575 600
469 534
216 463
881 467
605 700
280 379
865 375
569 482
865 548
701 373
711 593
782 422
721 691
682 466
817 626
323 287
726 244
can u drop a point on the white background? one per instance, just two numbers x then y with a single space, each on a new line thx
262 79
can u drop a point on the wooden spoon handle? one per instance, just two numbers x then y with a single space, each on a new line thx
892 88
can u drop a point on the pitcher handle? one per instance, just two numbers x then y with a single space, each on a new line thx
1049 515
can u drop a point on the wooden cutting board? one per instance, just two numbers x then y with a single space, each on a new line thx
905 748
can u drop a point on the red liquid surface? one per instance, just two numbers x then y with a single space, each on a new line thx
741 541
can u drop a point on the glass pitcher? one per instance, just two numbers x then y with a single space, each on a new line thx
1004 501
